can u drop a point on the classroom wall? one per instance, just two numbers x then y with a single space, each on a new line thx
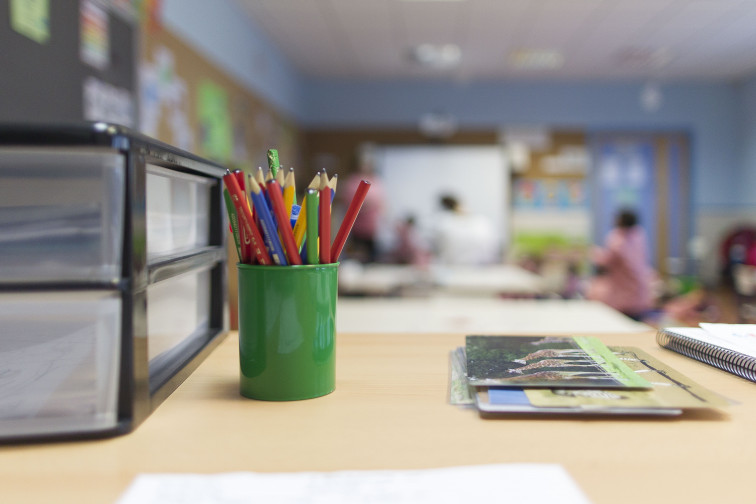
720 117
708 111
748 139
223 33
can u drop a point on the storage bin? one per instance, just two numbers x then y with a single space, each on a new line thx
112 277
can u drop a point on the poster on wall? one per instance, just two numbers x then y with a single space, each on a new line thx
549 194
216 129
164 96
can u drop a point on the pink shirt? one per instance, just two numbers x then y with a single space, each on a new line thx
626 283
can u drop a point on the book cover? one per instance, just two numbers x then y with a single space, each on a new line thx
672 394
546 362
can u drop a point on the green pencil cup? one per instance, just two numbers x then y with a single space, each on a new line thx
287 326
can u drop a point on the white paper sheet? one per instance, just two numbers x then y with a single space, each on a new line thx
521 483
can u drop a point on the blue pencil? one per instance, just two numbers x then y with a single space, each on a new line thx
266 221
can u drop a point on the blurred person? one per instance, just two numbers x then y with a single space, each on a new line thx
409 245
625 278
462 237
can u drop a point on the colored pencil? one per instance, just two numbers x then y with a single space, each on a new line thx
240 180
351 215
290 191
246 254
332 184
273 163
284 226
250 233
233 221
260 176
324 219
266 222
311 204
300 228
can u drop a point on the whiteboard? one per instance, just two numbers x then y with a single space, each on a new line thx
415 177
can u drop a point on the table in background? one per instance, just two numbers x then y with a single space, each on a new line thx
441 314
480 281
390 411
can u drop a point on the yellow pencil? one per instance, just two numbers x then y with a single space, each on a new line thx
333 183
300 228
260 176
289 191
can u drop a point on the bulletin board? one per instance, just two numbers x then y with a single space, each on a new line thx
188 102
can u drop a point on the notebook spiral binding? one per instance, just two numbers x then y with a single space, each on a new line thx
728 360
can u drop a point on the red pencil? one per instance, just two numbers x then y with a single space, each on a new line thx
246 244
245 219
349 218
284 224
324 219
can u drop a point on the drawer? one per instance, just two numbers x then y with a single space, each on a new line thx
61 215
178 212
59 357
178 320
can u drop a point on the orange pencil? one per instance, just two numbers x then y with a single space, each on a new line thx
351 215
324 219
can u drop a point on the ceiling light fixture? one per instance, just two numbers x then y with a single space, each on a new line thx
437 56
438 125
645 57
536 59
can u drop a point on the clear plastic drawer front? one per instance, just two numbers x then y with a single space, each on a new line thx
61 215
59 362
178 212
178 318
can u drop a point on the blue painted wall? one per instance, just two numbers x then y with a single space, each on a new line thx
708 111
748 138
223 33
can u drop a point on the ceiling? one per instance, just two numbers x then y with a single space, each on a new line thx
582 39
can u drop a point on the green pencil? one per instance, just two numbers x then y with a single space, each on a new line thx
312 204
234 219
273 163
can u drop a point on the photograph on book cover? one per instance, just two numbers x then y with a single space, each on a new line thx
546 362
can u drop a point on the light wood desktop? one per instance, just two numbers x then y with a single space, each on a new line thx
390 411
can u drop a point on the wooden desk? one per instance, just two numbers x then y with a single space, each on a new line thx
390 410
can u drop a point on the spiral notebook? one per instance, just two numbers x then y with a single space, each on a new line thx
731 347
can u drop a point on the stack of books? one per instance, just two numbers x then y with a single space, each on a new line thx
569 375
